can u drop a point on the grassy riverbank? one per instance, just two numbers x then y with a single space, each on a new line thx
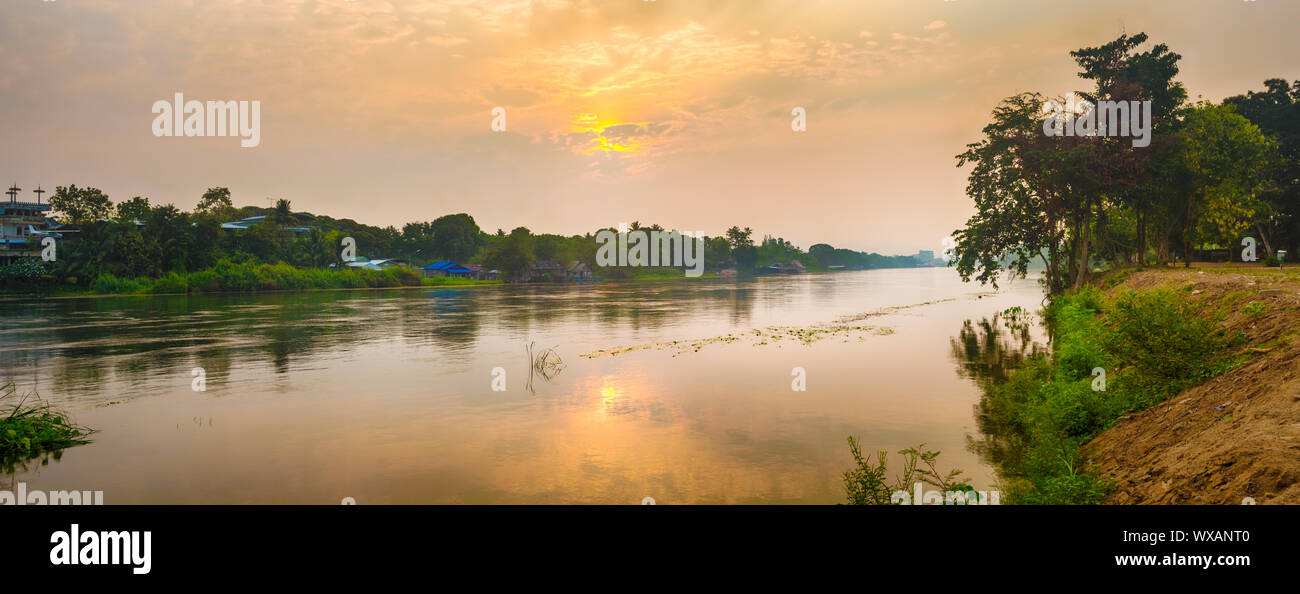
1114 354
249 277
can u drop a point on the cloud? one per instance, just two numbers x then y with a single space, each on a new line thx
935 25
445 40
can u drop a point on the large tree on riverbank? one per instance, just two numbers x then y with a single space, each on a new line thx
1276 110
1227 160
1077 201
1020 185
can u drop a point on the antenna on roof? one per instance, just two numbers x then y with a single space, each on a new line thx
13 192
38 192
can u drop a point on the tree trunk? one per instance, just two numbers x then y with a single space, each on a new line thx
1268 247
1080 257
1083 262
1142 236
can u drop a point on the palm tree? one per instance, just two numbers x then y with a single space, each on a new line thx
282 214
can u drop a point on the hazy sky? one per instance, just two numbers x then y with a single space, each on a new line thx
667 111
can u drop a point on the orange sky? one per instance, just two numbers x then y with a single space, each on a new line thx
667 111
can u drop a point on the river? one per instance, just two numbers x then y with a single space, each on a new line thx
395 396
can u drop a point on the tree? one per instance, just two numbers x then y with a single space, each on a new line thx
81 205
455 236
738 237
742 248
716 252
417 239
135 209
824 253
1276 111
282 214
1020 184
215 203
130 253
1227 160
1121 74
170 230
513 255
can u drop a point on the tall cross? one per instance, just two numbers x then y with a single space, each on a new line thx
38 192
13 192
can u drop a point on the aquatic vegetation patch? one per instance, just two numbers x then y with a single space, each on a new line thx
29 427
887 310
804 335
545 363
843 328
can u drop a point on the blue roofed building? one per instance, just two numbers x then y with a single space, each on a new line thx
245 223
447 268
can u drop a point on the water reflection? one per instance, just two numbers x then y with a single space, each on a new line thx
388 397
80 345
987 351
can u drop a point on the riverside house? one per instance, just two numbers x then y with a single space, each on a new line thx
477 272
547 270
447 268
579 271
794 267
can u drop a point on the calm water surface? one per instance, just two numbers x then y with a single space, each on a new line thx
386 396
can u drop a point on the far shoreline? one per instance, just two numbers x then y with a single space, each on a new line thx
472 284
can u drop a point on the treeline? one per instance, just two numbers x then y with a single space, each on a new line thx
1213 175
113 248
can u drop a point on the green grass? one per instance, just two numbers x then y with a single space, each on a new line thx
1152 344
451 281
1255 310
249 277
29 428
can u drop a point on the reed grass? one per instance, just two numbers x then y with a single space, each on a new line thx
29 427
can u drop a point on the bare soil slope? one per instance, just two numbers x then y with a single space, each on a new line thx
1235 436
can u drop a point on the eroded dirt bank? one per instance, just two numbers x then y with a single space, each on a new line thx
1236 436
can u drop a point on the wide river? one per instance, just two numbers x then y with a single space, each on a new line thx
396 396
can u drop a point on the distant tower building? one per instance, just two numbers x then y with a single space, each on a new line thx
925 255
17 222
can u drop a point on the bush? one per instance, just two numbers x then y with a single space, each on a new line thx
866 483
109 284
1151 345
1166 339
230 276
29 429
172 283
24 274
